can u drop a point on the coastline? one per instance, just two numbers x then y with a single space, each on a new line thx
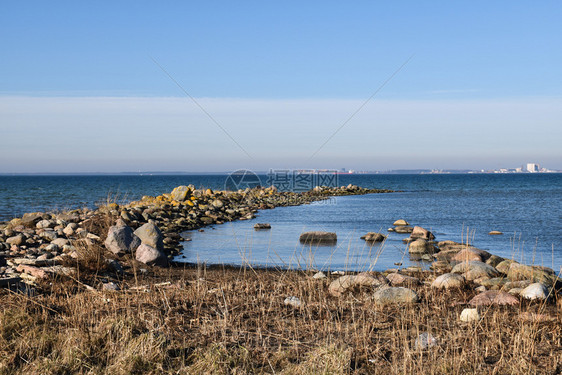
81 267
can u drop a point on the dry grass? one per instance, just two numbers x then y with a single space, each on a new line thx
226 320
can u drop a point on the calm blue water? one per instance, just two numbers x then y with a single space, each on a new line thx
527 208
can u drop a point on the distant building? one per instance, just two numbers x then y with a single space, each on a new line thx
532 168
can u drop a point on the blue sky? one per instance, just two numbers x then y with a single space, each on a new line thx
485 76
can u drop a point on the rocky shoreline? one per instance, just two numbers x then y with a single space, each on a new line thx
102 280
39 244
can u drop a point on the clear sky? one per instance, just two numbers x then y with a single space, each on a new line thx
79 91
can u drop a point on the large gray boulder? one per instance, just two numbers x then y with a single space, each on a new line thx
150 235
121 239
149 255
395 295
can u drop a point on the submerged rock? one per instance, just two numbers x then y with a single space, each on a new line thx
373 237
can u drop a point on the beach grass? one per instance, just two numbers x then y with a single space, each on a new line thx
227 320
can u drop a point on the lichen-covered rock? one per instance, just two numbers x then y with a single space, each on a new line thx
537 274
395 295
180 193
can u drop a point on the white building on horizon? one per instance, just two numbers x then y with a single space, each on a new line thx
532 168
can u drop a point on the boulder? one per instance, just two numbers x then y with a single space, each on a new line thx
180 193
537 274
474 269
150 235
121 240
318 237
400 222
504 265
494 297
449 281
421 246
344 283
419 232
373 237
535 291
151 256
395 295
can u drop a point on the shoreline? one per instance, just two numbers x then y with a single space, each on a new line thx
109 286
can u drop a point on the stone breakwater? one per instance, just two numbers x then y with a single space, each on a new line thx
39 244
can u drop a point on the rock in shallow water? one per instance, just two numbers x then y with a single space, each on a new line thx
373 237
318 237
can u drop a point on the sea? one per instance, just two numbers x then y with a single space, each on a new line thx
526 208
